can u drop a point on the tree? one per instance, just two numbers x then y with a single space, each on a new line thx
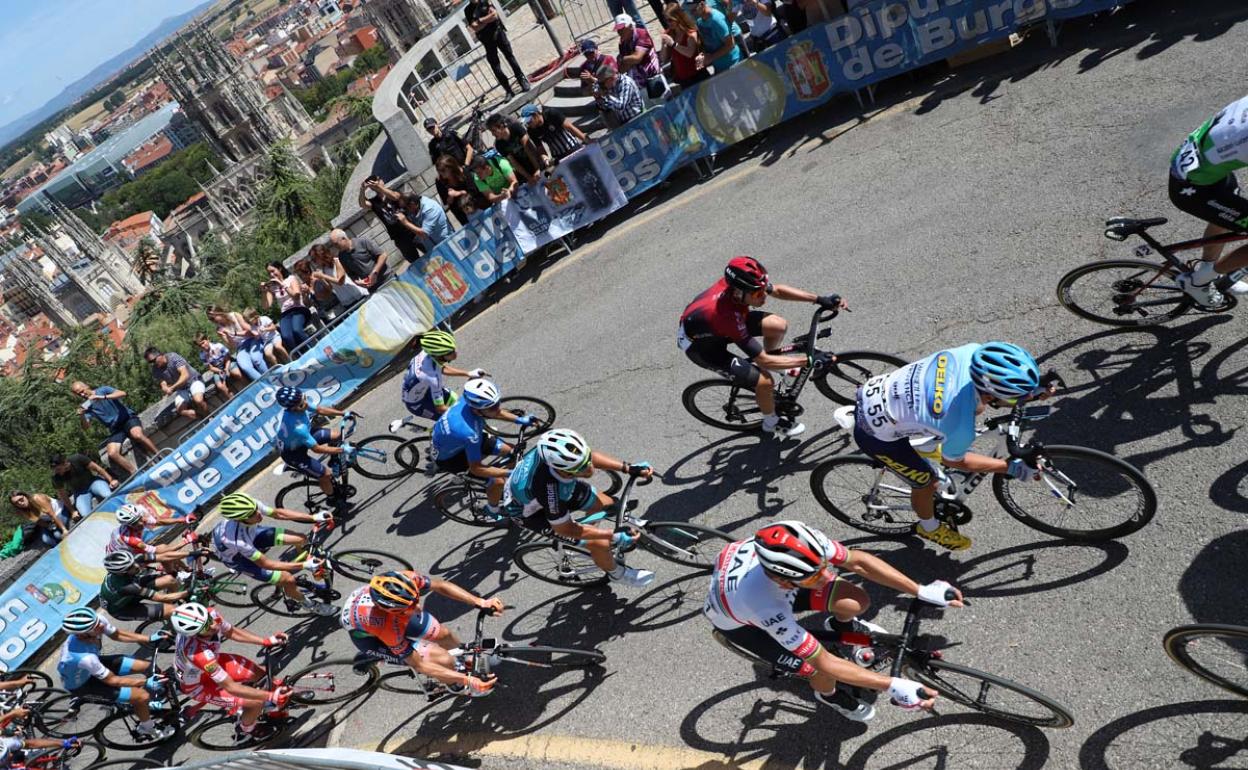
146 261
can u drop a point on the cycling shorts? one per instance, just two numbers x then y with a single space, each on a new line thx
764 646
458 462
713 354
121 665
1220 203
120 431
898 456
240 669
265 538
137 611
303 461
373 648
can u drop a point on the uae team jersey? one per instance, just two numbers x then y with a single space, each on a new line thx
1215 150
714 314
423 382
933 399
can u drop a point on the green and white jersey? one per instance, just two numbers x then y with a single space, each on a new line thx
1216 149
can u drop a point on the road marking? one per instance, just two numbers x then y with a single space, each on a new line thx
572 750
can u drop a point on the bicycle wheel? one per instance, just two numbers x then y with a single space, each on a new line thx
301 495
405 681
37 696
231 590
1124 292
1216 653
149 627
378 458
361 564
852 368
272 599
865 497
411 452
546 657
615 483
543 415
38 679
1085 495
722 404
559 563
120 731
989 694
332 681
221 735
689 544
466 504
128 763
71 716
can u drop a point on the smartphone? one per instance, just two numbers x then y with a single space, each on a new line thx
1037 411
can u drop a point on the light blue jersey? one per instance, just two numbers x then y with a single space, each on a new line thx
294 433
459 429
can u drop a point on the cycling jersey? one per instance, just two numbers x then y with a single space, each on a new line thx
120 593
397 631
533 487
235 542
741 594
129 537
198 655
9 749
294 434
1215 150
422 384
932 398
715 314
80 659
459 430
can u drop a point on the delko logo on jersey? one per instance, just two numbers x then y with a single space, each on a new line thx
937 405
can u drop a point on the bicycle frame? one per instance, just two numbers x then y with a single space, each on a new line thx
1166 251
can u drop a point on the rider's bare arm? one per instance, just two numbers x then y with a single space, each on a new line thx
452 591
976 463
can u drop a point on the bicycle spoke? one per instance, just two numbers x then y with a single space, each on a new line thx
1123 292
865 497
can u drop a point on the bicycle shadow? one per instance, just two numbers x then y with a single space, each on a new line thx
1201 734
955 740
481 564
1209 596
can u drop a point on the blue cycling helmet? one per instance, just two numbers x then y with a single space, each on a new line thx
1004 370
481 393
288 397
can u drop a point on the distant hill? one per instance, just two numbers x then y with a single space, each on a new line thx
100 74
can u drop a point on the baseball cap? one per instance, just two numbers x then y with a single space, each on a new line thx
528 111
588 45
624 21
431 122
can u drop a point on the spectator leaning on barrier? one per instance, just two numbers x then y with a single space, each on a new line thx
365 263
494 178
49 519
384 203
104 405
682 48
236 333
765 29
219 366
425 220
79 481
319 290
270 337
291 297
552 130
512 142
329 268
719 45
637 58
179 379
594 58
459 189
619 98
488 27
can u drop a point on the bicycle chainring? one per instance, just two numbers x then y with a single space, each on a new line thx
787 408
954 512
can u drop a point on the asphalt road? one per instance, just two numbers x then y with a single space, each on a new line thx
945 216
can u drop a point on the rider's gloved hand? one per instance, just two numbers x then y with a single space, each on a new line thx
829 301
320 517
311 565
1019 469
478 687
642 469
622 539
69 743
821 360
906 694
154 683
158 637
524 420
941 593
278 697
348 452
276 639
478 373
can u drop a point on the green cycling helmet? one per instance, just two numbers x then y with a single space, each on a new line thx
437 343
237 505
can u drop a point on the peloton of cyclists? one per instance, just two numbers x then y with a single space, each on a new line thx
424 392
295 438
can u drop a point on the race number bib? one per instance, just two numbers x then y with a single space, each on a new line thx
1187 160
873 405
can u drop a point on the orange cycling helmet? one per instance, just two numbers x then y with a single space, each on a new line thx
394 591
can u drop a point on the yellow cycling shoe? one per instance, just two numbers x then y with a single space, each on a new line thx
944 536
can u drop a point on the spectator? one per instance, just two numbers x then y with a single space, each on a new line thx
104 405
619 98
365 263
384 203
718 38
627 8
453 178
552 130
79 481
245 341
512 142
680 47
425 220
765 29
594 59
270 337
179 379
49 518
289 293
322 295
494 178
328 268
219 366
488 27
638 59
449 144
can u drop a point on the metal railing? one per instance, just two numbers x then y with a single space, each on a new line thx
583 17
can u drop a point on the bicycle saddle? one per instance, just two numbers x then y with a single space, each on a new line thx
1119 228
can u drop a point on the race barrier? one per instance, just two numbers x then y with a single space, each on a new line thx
875 41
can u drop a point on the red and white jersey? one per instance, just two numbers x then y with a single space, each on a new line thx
128 538
196 655
741 594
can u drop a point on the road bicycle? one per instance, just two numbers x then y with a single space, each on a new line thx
723 404
558 560
915 657
379 460
482 656
1136 292
1082 494
80 756
1214 652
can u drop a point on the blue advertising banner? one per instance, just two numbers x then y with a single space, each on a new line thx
581 190
241 436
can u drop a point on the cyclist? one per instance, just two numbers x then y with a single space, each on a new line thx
423 392
84 671
128 584
386 622
460 442
212 677
923 415
548 484
759 583
128 538
295 438
725 314
1203 183
14 745
239 542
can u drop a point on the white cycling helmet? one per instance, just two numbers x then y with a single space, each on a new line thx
792 550
190 618
563 450
120 562
129 514
80 621
481 393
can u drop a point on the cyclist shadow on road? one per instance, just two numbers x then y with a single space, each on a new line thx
1201 734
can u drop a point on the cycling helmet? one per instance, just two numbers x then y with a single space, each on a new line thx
237 505
394 590
190 618
81 621
746 274
791 549
563 450
481 393
1004 370
120 562
437 343
129 514
288 397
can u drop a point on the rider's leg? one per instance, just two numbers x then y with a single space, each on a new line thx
922 499
250 713
494 491
444 637
774 329
326 483
764 391
1212 251
140 700
600 552
286 582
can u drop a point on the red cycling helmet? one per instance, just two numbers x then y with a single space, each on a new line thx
746 274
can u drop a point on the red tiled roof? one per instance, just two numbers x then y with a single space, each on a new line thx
151 152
